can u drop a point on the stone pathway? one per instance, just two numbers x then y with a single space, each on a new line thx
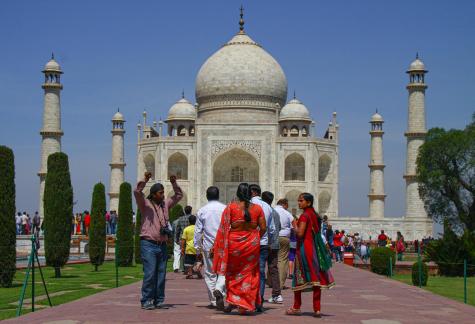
359 297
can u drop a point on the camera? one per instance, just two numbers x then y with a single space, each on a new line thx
166 231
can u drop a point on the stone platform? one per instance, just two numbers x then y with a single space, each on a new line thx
359 297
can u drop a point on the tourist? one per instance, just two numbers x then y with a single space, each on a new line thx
18 223
108 222
188 250
78 224
325 225
286 219
236 251
382 239
313 261
181 224
338 246
155 231
176 244
208 219
400 246
24 224
292 249
272 260
36 222
87 222
364 252
329 236
113 222
357 242
264 243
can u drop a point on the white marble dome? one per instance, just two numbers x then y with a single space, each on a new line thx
182 110
417 65
241 70
118 116
52 65
294 110
377 118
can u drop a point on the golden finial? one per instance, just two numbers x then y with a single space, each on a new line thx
241 21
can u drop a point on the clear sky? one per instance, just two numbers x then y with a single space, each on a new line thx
344 56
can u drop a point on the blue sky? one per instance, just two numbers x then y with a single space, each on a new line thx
344 56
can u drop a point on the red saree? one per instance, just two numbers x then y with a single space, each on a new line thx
308 272
236 256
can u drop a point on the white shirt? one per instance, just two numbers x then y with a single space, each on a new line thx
268 216
286 220
24 219
208 220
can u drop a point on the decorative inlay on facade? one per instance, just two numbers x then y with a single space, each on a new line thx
240 100
253 147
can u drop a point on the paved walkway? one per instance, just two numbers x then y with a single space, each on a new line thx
359 297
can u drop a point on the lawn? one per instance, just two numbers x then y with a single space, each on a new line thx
76 281
451 287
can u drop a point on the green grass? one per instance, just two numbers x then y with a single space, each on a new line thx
75 279
450 287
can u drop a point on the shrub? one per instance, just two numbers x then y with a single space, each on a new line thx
125 227
450 251
380 260
97 230
138 221
7 219
58 211
415 274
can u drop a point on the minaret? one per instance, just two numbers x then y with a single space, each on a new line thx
416 132
117 164
376 168
51 132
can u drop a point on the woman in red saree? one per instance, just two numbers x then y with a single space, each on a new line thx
312 260
236 251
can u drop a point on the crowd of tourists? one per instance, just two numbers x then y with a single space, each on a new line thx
81 222
26 225
238 248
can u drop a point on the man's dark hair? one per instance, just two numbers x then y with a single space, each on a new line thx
268 197
212 193
192 219
188 210
325 217
382 231
255 188
283 201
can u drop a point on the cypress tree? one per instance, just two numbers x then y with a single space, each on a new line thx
97 230
125 227
7 217
138 220
58 211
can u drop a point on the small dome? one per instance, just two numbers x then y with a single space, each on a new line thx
377 118
118 117
417 65
52 65
294 110
182 110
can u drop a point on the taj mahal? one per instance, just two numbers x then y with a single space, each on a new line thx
242 127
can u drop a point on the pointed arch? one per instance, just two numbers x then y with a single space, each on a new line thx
178 166
149 163
324 166
324 199
292 196
294 168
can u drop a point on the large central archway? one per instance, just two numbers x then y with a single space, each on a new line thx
232 168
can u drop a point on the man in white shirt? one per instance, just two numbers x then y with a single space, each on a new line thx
24 222
264 254
286 220
208 220
18 223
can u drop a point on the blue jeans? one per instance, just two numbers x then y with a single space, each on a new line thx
264 255
154 259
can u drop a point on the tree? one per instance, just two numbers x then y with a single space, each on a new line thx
125 227
138 220
446 175
58 211
7 217
97 230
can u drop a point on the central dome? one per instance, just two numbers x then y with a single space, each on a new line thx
241 73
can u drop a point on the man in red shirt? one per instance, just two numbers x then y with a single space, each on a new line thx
382 239
338 244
